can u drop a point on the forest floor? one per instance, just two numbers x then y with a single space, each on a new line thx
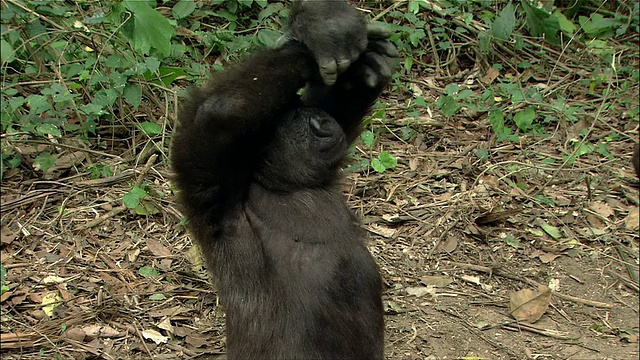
458 229
453 238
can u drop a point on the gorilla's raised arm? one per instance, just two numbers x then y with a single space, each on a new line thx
223 125
357 88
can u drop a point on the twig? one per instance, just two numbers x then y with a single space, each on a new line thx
499 272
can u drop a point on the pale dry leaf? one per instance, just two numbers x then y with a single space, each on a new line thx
103 331
529 305
154 336
413 164
52 279
437 281
381 230
165 324
631 221
419 291
50 302
601 208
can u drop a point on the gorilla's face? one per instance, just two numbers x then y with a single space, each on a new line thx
305 151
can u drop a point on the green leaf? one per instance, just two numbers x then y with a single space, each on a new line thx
535 232
505 23
148 271
147 28
565 24
540 22
268 37
48 129
44 161
367 137
553 231
484 42
415 36
496 120
132 199
450 105
3 273
524 119
150 128
482 154
387 160
157 297
133 95
377 165
513 242
451 89
183 9
6 52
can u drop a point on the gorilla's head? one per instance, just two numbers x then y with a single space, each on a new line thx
305 152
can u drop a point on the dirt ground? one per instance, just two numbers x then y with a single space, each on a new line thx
454 239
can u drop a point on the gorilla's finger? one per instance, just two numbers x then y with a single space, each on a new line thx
328 70
377 32
370 77
379 64
384 47
343 64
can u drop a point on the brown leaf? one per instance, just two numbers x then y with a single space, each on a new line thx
529 305
195 340
450 244
631 221
491 75
67 161
157 248
601 208
7 236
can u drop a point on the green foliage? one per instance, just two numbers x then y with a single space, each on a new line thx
3 279
383 162
148 271
99 171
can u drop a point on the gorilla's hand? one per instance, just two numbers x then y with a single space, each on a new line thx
376 64
334 31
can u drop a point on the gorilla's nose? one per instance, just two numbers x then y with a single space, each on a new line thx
321 127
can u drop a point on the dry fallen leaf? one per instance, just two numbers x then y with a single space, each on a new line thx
529 305
100 331
154 336
381 230
491 75
419 291
450 244
157 248
50 302
437 281
601 208
631 221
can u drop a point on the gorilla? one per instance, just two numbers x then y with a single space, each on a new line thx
256 165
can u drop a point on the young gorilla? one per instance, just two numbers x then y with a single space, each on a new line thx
256 168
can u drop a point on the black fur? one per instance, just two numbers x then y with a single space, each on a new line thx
255 167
